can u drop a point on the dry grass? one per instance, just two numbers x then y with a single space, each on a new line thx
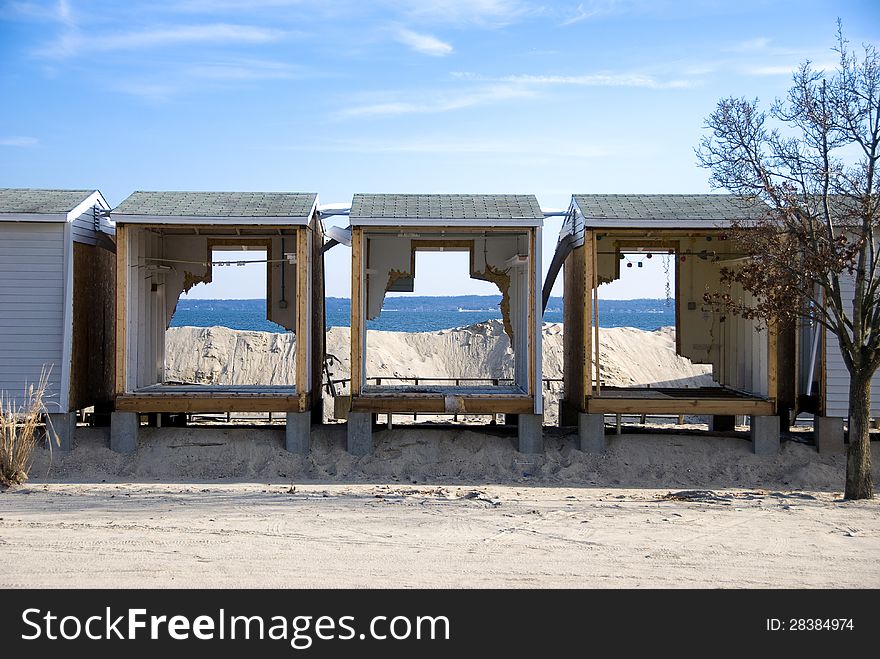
19 431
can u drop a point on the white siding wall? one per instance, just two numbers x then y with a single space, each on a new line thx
32 271
83 227
145 311
836 375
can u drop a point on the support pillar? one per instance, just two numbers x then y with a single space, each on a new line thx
531 437
124 431
297 438
64 426
765 435
360 433
828 434
591 431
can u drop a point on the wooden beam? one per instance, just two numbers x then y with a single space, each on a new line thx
207 228
436 404
121 306
658 234
357 313
196 403
697 406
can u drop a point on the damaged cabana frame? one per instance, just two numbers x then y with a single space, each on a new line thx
598 233
502 235
165 242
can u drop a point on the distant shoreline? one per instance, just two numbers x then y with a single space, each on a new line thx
422 313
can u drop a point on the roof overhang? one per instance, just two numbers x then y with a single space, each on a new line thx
206 220
647 223
33 217
446 222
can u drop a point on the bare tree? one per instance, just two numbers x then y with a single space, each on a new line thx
814 160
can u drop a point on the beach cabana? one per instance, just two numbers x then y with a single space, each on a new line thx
56 300
599 233
502 235
165 244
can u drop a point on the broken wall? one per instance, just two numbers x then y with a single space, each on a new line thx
390 261
164 266
734 346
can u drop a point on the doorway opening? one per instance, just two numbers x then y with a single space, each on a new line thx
220 333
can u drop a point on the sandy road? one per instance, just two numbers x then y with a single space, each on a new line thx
339 535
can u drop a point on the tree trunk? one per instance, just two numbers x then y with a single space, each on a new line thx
859 481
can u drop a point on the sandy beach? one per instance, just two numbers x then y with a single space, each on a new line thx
436 508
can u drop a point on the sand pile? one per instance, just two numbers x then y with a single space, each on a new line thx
445 455
218 355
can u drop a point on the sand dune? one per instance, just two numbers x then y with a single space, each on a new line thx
218 355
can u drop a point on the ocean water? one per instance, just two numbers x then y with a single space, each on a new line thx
417 314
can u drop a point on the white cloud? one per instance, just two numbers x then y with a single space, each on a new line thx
149 91
493 90
208 75
475 12
423 43
589 80
441 145
73 43
587 10
757 44
439 103
65 15
784 69
769 70
601 80
19 140
243 70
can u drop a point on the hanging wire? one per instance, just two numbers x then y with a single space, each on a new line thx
666 260
209 263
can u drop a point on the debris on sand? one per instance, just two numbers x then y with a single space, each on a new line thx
699 496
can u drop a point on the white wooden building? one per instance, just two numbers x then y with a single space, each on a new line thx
165 245
56 300
823 379
502 235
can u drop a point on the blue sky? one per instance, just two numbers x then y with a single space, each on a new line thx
392 96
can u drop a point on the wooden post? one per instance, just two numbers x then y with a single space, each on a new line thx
303 321
319 321
576 338
531 356
595 284
357 312
121 306
589 238
773 364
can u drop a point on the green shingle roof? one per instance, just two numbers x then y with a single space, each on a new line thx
660 207
449 207
218 204
32 200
